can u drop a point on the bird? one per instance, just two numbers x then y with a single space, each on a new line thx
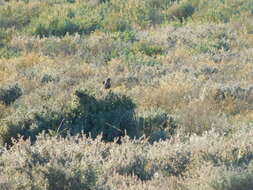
107 83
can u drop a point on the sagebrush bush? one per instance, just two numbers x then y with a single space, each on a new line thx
9 94
63 22
148 48
114 22
157 125
17 15
111 115
180 11
211 161
230 180
181 75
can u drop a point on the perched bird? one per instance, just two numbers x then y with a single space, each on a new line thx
107 83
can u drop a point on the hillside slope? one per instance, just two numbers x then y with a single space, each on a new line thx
182 74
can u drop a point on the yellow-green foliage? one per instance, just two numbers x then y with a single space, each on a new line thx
182 80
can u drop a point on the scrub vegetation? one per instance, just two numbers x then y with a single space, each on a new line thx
179 113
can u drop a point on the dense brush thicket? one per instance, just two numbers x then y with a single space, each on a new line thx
182 91
210 162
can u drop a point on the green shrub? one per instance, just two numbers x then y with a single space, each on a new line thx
17 15
222 11
215 43
71 1
148 48
115 22
48 78
63 21
129 36
249 25
164 4
218 15
103 50
124 15
56 27
5 38
180 11
65 46
112 115
157 125
10 94
9 52
134 59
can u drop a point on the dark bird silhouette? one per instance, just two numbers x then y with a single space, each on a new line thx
107 83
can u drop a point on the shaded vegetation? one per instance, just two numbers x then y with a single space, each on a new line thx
10 94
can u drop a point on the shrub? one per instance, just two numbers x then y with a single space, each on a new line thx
139 59
46 171
60 46
235 180
249 25
71 1
61 23
229 99
48 78
5 38
180 11
9 52
157 125
195 119
101 48
162 3
115 22
220 41
177 164
17 15
129 36
10 94
139 167
148 48
111 115
222 11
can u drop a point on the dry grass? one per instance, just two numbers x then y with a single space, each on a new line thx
184 67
